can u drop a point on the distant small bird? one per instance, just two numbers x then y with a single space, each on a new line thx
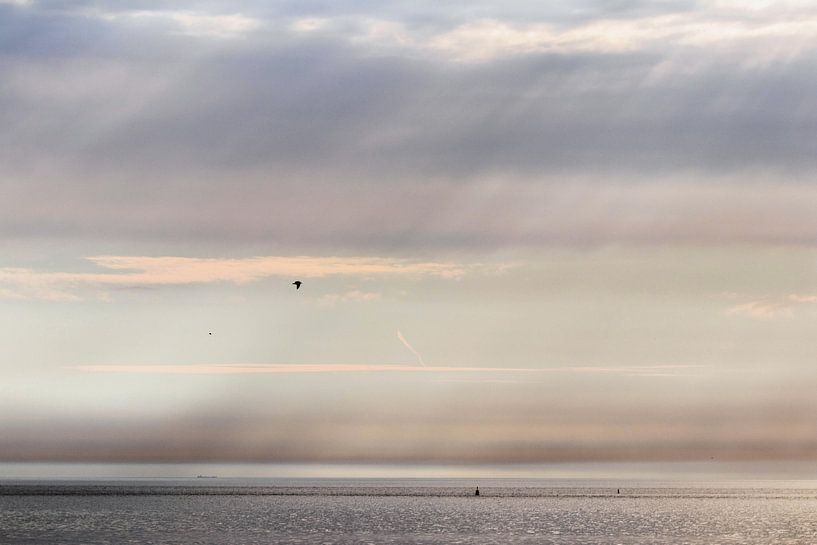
297 284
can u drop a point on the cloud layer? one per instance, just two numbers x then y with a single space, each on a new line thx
506 433
142 271
369 126
288 368
639 157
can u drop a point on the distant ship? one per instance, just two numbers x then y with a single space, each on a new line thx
206 477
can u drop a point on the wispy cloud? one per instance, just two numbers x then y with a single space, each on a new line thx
157 271
487 39
770 307
189 23
411 348
297 368
764 309
352 296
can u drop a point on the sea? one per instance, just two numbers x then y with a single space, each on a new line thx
234 511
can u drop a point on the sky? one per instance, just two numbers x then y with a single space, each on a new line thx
528 232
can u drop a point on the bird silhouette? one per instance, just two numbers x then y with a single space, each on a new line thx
297 284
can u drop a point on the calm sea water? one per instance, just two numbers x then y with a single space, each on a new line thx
216 511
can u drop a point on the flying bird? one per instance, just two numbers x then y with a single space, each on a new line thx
297 284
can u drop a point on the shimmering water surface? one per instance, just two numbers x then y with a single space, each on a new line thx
216 511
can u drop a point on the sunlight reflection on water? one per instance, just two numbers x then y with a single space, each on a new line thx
385 512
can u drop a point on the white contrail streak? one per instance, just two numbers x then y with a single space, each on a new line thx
413 351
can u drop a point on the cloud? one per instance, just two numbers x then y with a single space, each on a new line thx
411 348
424 130
184 270
493 432
768 308
764 309
133 271
355 296
445 127
488 39
293 368
188 23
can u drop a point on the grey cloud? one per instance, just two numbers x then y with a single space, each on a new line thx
283 134
513 434
317 107
320 104
416 12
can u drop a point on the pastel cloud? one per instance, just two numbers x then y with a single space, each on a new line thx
767 308
351 296
185 270
172 270
290 368
488 39
188 23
